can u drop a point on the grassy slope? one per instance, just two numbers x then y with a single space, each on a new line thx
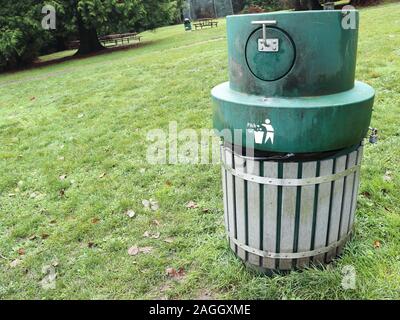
96 112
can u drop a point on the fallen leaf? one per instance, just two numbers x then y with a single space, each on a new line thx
387 177
149 234
32 98
91 244
366 194
95 220
15 263
63 177
133 251
102 175
192 205
49 281
130 213
11 195
150 204
53 221
169 240
62 193
44 236
175 274
206 210
21 251
146 249
156 222
32 237
377 244
168 183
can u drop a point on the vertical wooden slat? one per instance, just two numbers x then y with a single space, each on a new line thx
306 213
253 200
355 189
336 209
347 199
324 195
240 206
290 170
230 198
223 170
270 211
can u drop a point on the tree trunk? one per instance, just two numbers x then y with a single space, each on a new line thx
89 40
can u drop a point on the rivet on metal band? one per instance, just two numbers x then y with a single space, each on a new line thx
291 182
293 255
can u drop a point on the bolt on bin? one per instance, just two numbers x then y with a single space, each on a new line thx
188 24
292 120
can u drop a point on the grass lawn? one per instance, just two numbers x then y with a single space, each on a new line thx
72 162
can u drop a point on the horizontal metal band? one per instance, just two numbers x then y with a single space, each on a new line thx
292 255
290 182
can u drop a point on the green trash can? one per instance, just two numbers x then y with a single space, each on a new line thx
188 24
292 119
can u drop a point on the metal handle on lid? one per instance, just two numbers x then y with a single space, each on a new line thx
264 24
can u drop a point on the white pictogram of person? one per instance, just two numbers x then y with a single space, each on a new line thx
270 131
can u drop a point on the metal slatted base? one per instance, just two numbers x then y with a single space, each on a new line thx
282 216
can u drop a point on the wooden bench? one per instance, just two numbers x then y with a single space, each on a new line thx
204 23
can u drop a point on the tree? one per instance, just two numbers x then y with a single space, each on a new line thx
93 16
21 36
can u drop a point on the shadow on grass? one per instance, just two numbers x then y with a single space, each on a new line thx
56 61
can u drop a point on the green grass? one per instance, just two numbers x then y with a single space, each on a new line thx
86 117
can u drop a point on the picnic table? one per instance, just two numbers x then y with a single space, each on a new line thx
112 38
204 23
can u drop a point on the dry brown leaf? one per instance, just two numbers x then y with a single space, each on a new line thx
15 263
377 244
387 176
32 237
150 204
21 251
95 220
146 250
192 205
175 274
130 213
91 244
32 98
44 236
133 251
62 193
152 235
169 240
156 222
206 210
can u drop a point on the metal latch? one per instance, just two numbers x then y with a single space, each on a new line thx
264 44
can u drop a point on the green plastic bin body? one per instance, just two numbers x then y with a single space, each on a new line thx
293 103
187 24
307 89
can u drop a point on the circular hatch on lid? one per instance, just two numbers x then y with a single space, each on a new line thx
273 62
